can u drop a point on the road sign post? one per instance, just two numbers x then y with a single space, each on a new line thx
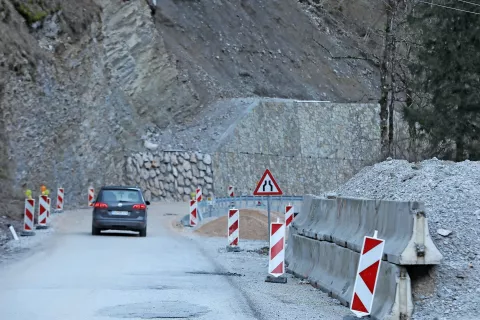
269 216
268 186
276 254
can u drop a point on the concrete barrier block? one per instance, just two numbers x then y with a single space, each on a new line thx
332 269
345 221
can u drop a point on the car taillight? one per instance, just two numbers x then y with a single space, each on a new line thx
100 205
139 206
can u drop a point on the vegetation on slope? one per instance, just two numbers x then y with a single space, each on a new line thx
446 79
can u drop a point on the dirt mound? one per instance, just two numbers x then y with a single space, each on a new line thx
253 225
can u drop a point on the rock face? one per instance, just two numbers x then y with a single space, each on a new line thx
170 175
66 123
78 90
140 64
95 81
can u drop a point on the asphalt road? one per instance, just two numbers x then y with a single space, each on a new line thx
74 275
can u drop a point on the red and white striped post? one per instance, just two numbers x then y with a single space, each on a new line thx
91 195
42 212
367 275
28 219
276 255
60 197
288 215
48 209
199 194
231 194
193 213
233 230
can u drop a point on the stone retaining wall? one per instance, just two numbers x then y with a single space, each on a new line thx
310 147
170 175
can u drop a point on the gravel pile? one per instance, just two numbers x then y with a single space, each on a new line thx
451 193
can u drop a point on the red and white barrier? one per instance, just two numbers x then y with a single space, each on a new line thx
91 195
28 221
231 191
42 211
233 227
193 213
276 256
367 276
288 215
199 195
60 197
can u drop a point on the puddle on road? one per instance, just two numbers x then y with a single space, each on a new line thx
231 274
145 287
155 310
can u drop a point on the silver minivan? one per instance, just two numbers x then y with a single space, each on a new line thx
120 208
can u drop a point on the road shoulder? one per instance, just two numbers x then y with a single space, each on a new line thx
247 271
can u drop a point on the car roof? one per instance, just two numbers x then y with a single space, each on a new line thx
120 188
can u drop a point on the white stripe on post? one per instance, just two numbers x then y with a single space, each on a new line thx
42 211
276 263
289 215
91 196
199 195
233 227
193 213
29 215
60 197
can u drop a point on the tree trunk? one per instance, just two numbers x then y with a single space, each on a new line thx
392 50
384 85
460 149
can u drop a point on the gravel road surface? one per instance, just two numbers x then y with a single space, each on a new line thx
171 273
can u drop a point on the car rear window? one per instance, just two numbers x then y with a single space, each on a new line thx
120 195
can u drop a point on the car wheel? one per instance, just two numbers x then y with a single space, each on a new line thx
95 231
143 232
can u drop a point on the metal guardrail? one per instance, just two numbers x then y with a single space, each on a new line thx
217 207
257 198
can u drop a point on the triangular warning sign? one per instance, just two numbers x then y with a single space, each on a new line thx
267 186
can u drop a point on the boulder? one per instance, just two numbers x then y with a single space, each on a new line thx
187 166
150 145
207 159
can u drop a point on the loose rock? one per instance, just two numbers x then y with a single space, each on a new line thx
444 232
451 193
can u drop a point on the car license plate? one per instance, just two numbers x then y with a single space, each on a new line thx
120 213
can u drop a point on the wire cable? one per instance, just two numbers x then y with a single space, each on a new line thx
472 3
446 7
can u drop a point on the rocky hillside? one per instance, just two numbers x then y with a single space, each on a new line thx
82 82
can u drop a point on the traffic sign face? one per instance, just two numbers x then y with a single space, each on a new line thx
267 186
